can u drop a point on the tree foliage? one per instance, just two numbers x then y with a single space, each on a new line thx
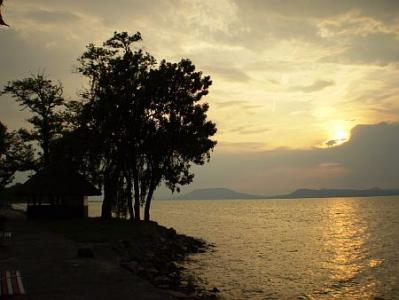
146 120
139 124
44 100
15 155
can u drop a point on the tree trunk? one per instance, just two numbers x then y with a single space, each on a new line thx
46 141
136 184
148 203
136 196
106 209
130 198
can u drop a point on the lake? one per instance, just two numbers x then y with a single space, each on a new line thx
335 248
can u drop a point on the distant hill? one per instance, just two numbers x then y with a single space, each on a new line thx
327 193
224 193
216 194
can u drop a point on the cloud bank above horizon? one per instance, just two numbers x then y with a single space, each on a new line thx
369 159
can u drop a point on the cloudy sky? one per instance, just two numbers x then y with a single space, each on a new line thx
305 92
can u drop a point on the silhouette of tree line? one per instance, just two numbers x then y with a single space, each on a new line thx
138 124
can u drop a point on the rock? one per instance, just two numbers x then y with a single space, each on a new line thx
171 232
126 244
163 286
85 253
178 295
161 279
132 266
150 255
152 271
190 287
184 282
157 258
141 271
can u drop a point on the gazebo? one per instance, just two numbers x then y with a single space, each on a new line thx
57 192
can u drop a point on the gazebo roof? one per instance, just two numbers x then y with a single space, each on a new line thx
56 180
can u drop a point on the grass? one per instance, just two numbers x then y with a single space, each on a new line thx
95 230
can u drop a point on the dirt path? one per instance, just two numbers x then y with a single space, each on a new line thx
52 271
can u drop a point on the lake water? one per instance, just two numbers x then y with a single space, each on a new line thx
336 248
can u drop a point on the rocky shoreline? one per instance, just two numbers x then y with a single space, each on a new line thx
147 250
158 260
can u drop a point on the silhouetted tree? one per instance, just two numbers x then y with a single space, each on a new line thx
145 120
15 155
44 100
3 136
178 132
111 109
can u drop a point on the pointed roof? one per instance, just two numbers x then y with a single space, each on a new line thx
57 180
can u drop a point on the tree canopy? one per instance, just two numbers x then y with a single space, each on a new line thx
44 100
15 155
139 123
147 119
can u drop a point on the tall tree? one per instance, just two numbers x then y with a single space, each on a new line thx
43 99
147 120
15 155
115 72
180 133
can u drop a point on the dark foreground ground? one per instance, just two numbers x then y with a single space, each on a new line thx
130 261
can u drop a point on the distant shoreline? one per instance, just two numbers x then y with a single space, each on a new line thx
228 194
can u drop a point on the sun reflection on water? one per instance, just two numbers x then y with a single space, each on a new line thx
292 249
346 237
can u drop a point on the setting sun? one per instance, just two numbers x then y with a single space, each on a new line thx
337 134
341 135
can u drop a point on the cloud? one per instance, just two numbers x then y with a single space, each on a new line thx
254 50
314 87
331 143
383 9
234 147
230 103
229 73
370 158
249 129
352 24
375 48
239 105
52 16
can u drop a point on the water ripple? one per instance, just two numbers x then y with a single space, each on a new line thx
293 249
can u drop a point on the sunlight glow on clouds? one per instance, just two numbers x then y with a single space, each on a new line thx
286 74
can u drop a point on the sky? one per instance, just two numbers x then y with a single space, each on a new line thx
304 94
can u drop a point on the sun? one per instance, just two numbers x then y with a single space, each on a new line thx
341 135
338 134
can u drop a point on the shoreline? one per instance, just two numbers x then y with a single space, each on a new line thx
145 257
159 261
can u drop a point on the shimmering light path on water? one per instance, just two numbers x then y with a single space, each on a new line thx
288 249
